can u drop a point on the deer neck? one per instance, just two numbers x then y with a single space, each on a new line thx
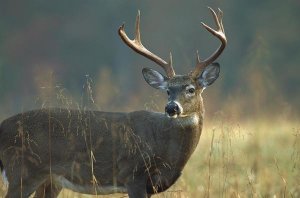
189 130
194 118
179 139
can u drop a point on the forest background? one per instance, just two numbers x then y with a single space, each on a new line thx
68 54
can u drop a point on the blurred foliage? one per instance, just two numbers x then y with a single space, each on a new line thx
68 53
71 39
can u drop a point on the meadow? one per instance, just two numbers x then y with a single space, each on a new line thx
254 158
250 144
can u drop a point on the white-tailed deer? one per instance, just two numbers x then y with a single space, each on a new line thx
140 153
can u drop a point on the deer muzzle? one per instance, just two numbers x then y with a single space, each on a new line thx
173 109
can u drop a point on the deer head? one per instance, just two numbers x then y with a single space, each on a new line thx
184 91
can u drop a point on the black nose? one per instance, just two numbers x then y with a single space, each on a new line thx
172 108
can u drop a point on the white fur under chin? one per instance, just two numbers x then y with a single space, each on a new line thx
174 116
194 119
4 179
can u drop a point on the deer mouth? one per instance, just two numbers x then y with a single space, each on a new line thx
172 116
173 109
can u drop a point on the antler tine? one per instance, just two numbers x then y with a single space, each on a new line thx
220 34
197 58
137 28
137 46
220 16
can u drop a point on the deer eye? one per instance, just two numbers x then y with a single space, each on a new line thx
191 90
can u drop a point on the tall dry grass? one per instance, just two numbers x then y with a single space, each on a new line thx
258 158
252 159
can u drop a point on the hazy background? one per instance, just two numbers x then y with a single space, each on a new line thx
68 54
51 50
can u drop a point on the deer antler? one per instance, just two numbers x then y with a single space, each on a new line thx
136 45
220 34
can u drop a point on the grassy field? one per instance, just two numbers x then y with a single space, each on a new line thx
255 159
239 159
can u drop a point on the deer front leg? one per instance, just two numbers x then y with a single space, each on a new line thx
137 188
47 191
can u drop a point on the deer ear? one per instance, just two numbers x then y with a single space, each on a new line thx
209 75
155 79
